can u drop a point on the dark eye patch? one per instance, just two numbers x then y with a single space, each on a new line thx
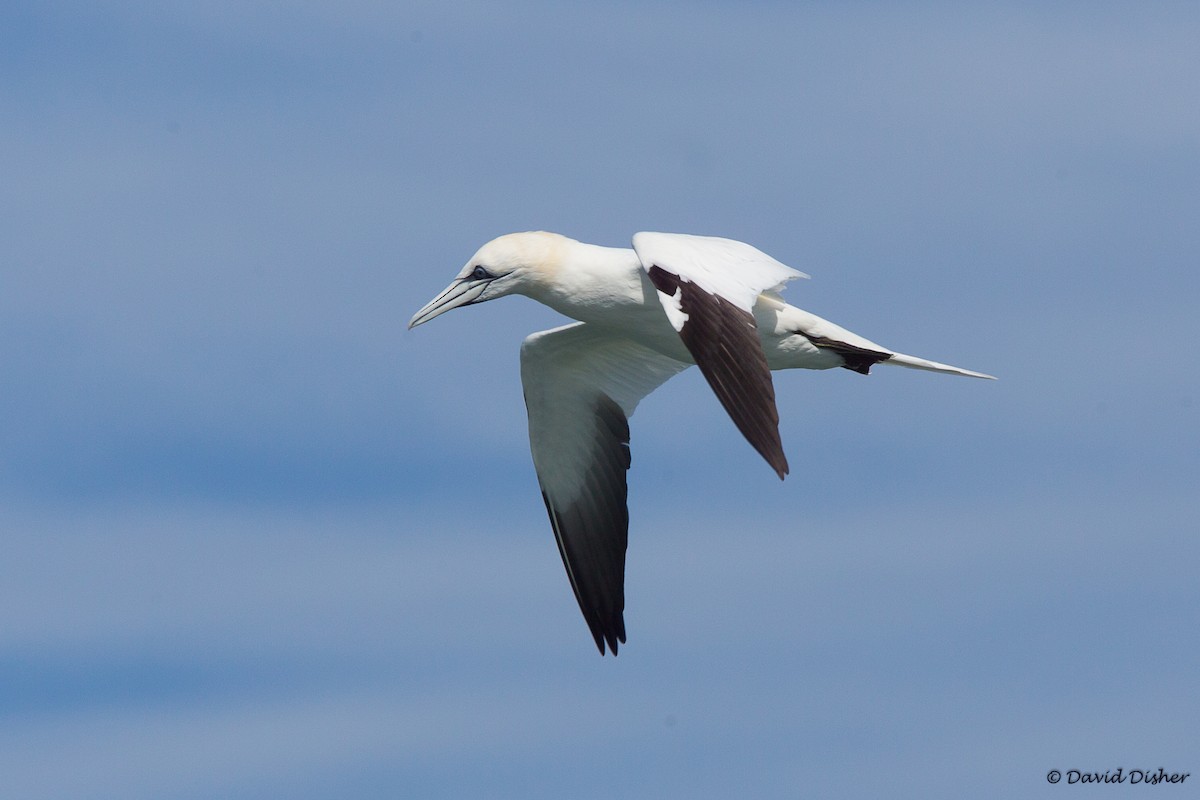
480 273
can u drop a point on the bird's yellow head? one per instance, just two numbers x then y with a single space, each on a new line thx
516 263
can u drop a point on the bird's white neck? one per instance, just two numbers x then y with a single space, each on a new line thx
595 284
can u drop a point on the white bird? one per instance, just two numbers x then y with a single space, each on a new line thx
644 314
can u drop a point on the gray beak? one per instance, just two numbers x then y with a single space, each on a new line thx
463 292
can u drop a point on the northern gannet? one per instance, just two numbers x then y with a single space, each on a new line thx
644 314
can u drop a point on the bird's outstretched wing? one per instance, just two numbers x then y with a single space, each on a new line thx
581 385
708 287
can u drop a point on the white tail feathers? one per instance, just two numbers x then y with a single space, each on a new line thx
912 362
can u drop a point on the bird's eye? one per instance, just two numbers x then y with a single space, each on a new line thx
480 273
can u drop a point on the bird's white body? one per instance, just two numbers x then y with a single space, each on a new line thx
609 287
644 314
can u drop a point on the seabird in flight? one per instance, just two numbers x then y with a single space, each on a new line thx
644 314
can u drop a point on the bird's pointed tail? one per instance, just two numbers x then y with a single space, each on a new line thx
912 362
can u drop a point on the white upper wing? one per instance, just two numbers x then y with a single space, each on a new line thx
731 269
581 384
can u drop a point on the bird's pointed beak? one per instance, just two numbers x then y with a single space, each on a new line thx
463 292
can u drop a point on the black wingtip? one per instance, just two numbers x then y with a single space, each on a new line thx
723 339
610 637
774 457
770 447
857 359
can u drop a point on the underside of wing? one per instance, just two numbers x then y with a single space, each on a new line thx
708 287
580 387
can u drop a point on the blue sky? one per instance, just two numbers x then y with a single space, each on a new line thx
260 540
